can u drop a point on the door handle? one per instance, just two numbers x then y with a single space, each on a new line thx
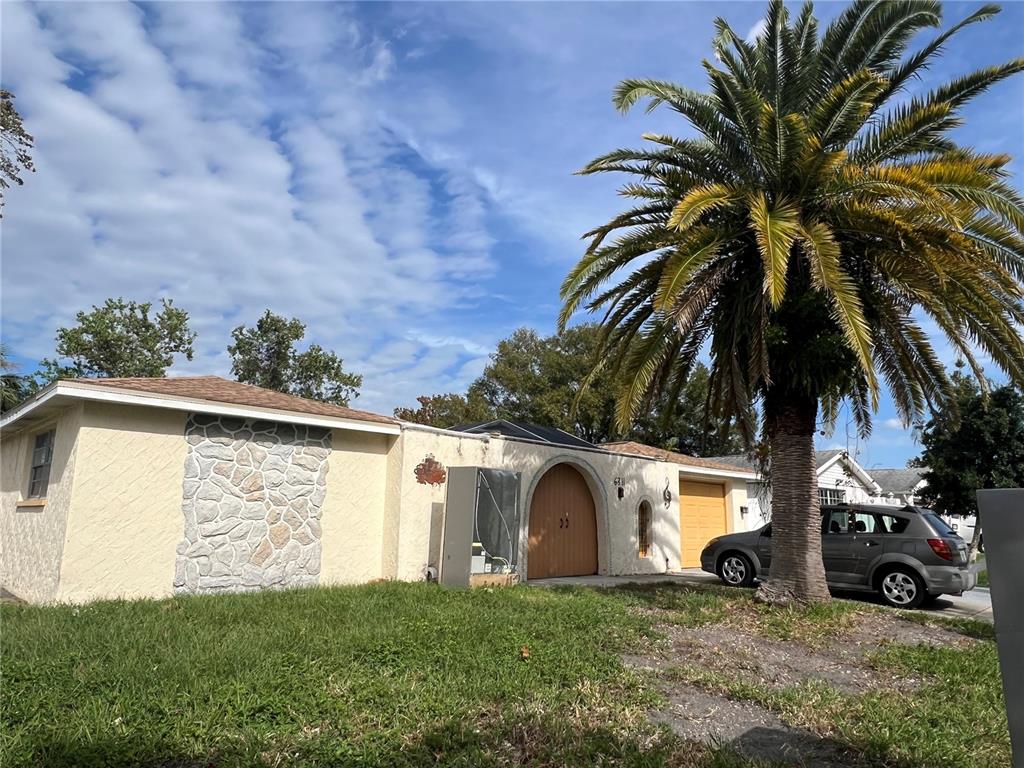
561 522
566 521
870 543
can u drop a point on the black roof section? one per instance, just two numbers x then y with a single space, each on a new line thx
524 431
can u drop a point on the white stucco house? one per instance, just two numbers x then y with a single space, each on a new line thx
146 488
841 480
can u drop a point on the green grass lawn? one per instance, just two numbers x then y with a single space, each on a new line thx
412 675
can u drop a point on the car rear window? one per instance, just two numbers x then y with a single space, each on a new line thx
938 524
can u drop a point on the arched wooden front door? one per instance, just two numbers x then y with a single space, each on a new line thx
563 526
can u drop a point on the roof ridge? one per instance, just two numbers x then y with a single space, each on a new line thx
101 379
213 388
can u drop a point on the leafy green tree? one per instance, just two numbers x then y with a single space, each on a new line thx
445 411
121 338
265 356
540 379
685 424
15 145
818 210
13 388
976 441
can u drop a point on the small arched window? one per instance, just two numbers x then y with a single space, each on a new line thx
643 529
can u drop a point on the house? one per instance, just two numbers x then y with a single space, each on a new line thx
713 497
903 486
150 487
841 480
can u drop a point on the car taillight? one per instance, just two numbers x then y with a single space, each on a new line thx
941 548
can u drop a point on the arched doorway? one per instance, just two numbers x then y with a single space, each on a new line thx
563 526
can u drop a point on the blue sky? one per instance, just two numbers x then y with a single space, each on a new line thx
398 176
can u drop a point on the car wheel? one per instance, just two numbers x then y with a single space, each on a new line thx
735 569
902 588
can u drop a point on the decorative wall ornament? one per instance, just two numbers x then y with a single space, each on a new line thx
667 494
430 471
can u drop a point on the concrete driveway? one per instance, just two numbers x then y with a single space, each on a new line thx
976 604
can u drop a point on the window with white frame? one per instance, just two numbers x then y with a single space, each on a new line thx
42 457
828 497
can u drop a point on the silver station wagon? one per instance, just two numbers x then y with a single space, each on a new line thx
908 555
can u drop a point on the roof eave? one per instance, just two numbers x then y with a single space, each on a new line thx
99 393
861 473
737 474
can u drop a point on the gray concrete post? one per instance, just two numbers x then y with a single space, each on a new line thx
1001 515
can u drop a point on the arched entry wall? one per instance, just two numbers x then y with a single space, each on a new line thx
597 492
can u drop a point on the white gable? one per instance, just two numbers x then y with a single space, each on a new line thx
841 476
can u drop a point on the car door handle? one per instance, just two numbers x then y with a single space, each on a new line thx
870 543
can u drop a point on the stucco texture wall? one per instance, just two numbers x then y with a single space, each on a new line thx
125 520
618 533
32 538
352 515
419 506
415 507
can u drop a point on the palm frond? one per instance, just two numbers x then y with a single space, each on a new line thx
829 275
776 229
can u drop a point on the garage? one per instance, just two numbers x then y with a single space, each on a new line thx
702 517
563 526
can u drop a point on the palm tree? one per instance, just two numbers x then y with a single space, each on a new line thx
820 217
13 388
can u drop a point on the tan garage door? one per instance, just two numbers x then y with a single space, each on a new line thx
701 518
563 526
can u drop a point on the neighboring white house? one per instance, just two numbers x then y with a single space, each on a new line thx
841 480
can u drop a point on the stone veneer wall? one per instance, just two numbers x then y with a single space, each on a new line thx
252 495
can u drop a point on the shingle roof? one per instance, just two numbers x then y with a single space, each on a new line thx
524 431
630 446
738 461
743 461
898 480
218 390
821 457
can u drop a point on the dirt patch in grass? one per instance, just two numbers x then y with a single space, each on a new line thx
696 715
713 674
737 646
701 715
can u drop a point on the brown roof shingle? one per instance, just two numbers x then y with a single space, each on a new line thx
217 390
630 446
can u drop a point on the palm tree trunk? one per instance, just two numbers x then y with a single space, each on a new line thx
797 574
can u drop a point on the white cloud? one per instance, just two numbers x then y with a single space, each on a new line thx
363 167
893 424
163 172
756 31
